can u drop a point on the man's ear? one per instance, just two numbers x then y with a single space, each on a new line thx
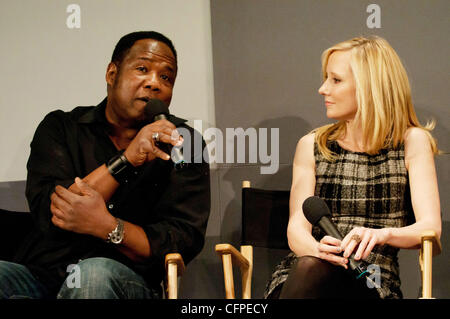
111 73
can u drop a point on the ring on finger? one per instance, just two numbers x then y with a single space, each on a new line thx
155 137
356 238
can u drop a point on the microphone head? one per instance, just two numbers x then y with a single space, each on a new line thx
314 208
155 107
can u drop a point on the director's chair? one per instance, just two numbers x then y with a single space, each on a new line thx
265 215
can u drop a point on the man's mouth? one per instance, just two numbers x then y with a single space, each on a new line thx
145 99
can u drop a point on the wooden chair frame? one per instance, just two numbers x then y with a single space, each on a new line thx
174 269
431 246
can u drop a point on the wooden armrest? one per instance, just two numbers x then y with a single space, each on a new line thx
175 258
431 246
243 259
431 235
238 258
174 268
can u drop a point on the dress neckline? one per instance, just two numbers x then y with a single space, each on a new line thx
349 151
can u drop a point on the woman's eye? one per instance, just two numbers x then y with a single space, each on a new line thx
336 80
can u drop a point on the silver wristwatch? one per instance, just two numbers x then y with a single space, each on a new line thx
116 236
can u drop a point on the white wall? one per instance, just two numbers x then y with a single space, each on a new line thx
44 65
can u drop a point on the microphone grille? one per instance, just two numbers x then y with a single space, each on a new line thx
155 107
314 208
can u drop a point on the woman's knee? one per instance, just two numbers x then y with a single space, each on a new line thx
307 278
310 265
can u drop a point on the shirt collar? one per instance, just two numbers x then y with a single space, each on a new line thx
97 115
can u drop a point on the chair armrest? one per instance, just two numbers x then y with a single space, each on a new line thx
174 268
237 256
431 246
176 259
431 235
243 259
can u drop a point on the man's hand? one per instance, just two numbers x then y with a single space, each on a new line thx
83 213
143 148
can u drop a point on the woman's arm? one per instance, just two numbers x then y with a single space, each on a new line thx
423 183
299 229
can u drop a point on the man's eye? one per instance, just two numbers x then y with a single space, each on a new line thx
142 68
164 77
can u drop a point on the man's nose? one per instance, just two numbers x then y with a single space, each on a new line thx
152 81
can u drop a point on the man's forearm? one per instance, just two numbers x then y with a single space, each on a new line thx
101 180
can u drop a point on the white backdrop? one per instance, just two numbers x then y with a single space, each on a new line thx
47 63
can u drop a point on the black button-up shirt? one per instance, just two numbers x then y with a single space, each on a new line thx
171 205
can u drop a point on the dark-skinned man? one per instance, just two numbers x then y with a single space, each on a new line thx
106 198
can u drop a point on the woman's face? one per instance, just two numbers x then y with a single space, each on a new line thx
339 88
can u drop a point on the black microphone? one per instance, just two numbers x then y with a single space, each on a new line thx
317 213
156 110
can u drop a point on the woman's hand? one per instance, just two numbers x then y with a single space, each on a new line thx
329 248
363 240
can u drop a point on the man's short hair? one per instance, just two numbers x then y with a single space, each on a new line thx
127 41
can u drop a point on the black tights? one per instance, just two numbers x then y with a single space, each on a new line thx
312 278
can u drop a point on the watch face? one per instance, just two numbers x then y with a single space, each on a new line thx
116 239
116 236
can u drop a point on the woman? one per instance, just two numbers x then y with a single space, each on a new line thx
374 168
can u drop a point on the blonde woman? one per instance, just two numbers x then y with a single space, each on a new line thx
374 167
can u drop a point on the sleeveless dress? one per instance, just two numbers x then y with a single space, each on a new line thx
367 191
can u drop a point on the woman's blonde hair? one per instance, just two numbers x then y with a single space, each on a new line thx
383 94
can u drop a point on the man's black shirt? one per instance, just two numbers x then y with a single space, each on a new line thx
172 206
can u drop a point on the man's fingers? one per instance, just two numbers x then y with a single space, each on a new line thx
174 140
65 194
58 202
56 211
83 186
159 153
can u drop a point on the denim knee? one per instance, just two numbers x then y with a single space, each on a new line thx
17 282
104 278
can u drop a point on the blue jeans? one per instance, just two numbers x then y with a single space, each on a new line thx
93 278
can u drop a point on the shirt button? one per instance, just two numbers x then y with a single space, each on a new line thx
111 206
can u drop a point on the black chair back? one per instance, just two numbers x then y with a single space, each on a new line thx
265 216
15 226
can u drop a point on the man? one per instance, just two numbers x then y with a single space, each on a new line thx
104 195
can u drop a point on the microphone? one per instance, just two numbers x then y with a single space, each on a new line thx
317 213
156 110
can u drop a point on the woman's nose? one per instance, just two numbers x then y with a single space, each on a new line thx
323 90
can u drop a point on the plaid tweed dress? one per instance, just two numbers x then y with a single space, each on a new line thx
362 190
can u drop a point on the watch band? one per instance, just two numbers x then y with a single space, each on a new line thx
116 236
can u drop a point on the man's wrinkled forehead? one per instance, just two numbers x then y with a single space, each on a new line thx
152 47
